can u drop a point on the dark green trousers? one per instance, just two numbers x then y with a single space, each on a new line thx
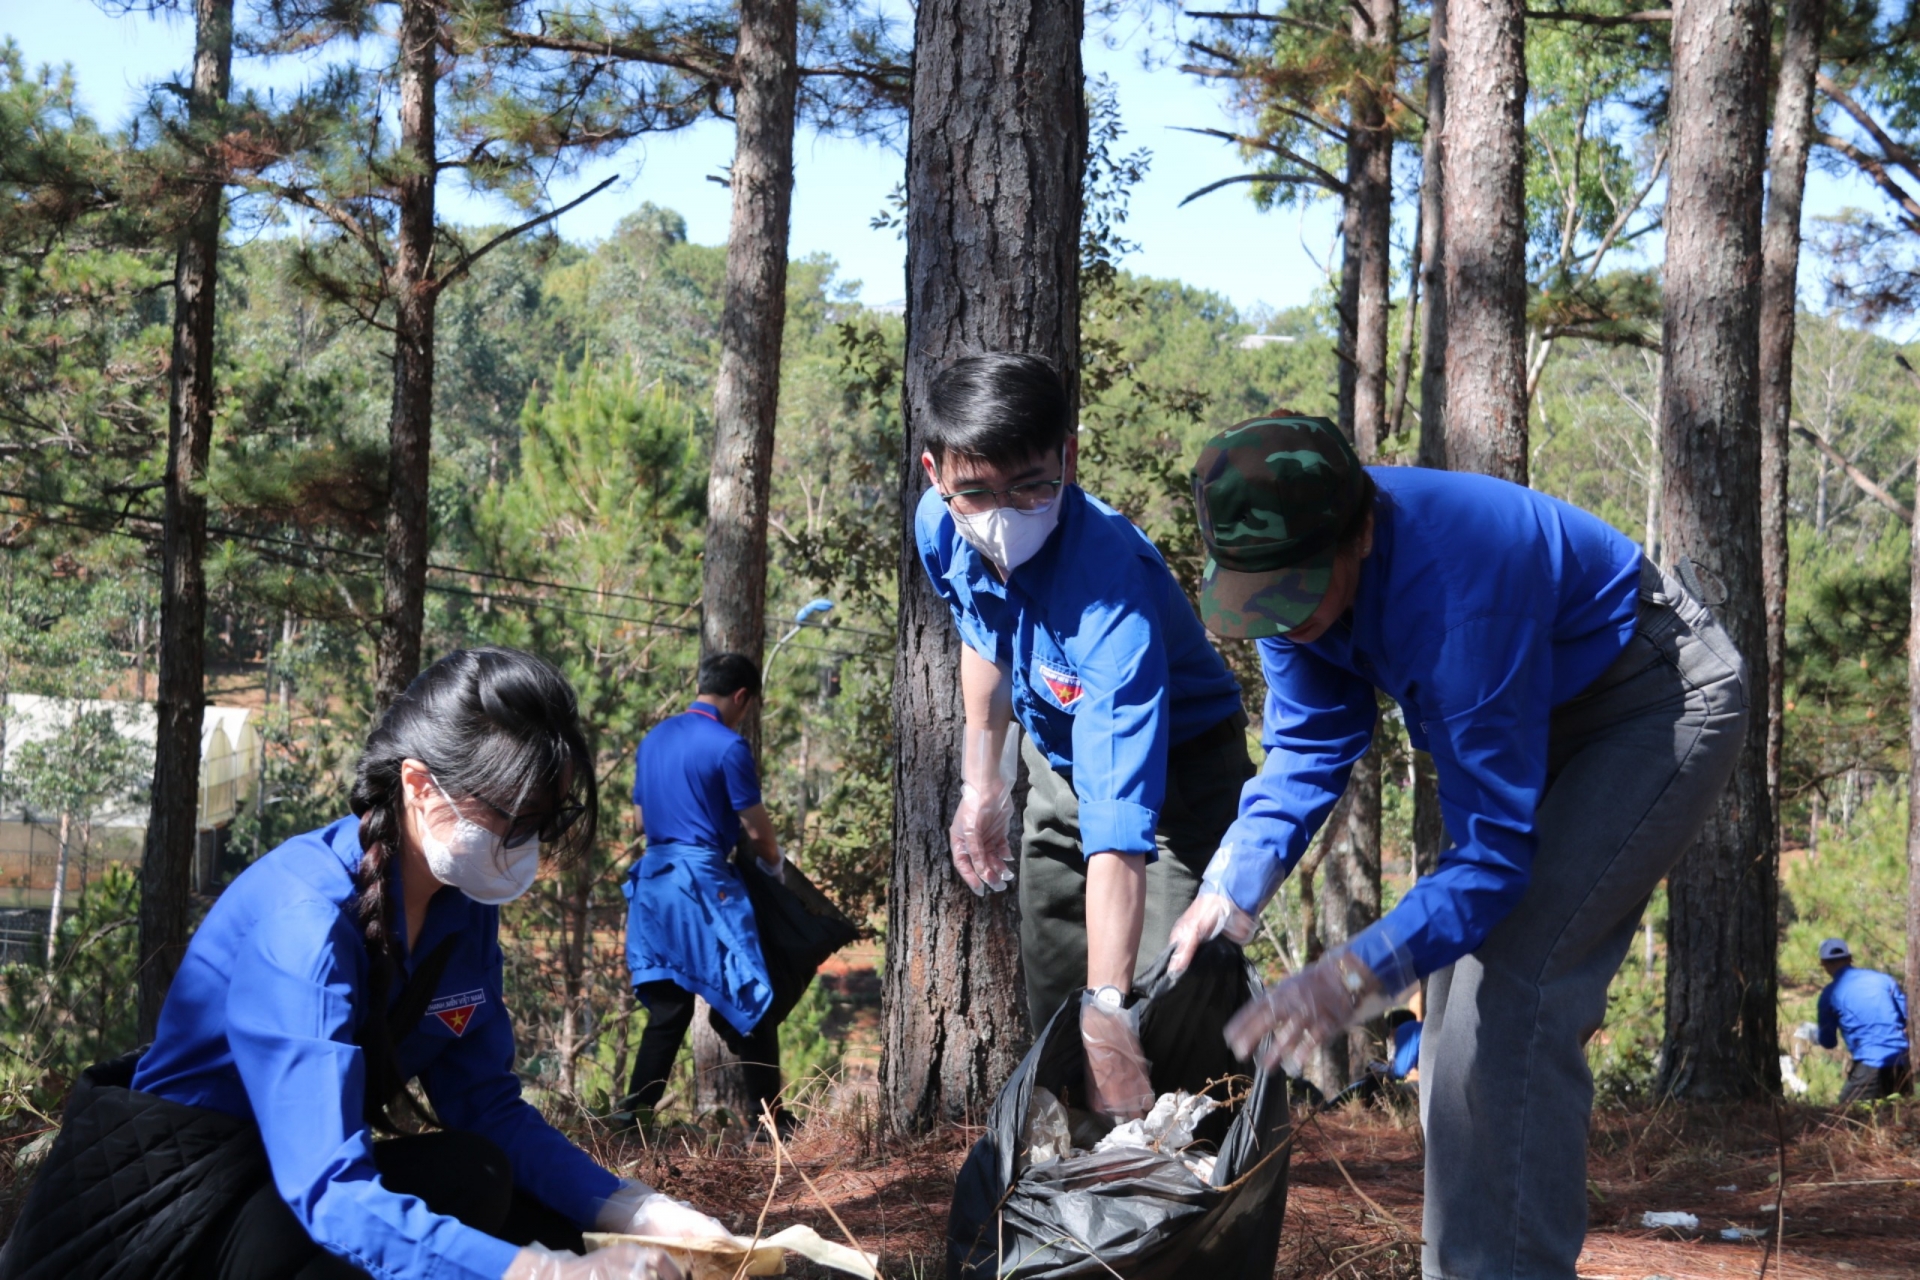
1203 796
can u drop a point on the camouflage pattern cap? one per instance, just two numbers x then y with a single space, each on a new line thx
1272 496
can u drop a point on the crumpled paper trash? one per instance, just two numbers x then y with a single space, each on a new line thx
1684 1221
1048 1134
1167 1128
723 1258
1743 1233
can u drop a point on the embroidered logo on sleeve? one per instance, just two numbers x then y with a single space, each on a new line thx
457 1011
1063 685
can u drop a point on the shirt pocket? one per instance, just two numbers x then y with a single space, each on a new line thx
1057 684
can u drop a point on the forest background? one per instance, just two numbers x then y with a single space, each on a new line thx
573 423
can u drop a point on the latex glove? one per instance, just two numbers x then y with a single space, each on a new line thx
615 1262
778 870
1294 1016
1211 914
636 1209
981 852
1117 1079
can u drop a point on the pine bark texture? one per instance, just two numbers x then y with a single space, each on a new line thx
1913 796
166 866
1721 1039
1779 293
1484 219
1433 254
746 401
1347 901
415 293
996 146
1367 231
746 395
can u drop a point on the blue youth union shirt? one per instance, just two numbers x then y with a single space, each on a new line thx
1870 1010
691 778
260 1024
1482 608
1109 661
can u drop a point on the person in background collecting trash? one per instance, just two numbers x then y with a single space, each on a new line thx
336 969
1584 712
1135 741
1870 1010
690 925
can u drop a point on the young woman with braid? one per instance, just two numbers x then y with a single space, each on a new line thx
343 965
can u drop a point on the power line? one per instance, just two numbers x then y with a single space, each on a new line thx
267 540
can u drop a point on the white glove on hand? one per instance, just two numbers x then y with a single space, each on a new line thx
636 1209
978 836
778 870
1299 1013
1212 914
615 1262
1117 1082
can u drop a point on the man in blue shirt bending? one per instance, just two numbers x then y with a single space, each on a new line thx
1870 1010
1584 712
1135 744
690 926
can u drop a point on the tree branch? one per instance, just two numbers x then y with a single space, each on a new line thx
1861 479
1294 179
1321 176
1874 169
1603 19
1889 149
467 260
653 55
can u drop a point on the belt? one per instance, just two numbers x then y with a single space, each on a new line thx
1231 729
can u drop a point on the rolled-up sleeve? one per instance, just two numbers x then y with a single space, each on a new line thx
1319 719
1486 715
472 1086
290 1027
1120 729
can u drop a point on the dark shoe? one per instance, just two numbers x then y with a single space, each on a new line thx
631 1119
784 1123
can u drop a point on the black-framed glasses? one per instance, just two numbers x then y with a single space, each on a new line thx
1034 495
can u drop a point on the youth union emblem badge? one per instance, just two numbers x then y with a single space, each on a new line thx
457 1011
1063 685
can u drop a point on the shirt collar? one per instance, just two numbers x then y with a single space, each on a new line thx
705 711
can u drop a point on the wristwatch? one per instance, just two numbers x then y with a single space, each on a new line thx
1110 998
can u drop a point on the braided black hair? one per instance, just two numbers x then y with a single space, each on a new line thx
496 725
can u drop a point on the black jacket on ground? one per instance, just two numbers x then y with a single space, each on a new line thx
134 1185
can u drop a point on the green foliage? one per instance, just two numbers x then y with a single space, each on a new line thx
55 1022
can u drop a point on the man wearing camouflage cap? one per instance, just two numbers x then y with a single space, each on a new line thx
1583 711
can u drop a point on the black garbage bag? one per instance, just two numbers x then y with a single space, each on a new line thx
1134 1213
799 928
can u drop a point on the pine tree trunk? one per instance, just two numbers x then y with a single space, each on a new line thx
55 906
1779 294
1484 216
1368 232
1913 798
746 400
747 392
997 142
1347 901
166 866
415 295
1433 258
1721 1040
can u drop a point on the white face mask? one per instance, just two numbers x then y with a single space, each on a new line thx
1006 537
477 862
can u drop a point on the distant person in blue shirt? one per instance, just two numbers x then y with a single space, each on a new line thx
359 957
690 925
1135 742
1870 1010
1584 713
1406 1027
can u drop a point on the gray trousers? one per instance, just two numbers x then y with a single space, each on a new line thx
1203 797
1636 764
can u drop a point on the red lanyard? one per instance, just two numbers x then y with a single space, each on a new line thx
699 710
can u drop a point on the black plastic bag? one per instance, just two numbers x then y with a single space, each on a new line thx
799 928
1133 1213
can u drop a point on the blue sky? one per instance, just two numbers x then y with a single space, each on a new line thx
1220 242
